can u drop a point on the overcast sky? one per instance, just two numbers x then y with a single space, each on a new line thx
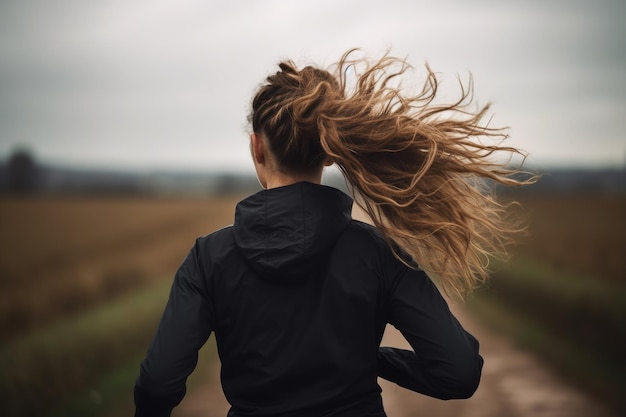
164 84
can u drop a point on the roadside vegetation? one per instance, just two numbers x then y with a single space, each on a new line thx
563 296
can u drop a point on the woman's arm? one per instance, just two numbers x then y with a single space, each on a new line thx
173 354
445 362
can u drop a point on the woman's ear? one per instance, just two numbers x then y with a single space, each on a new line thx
257 147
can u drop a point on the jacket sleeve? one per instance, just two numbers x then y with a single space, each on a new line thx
173 354
444 362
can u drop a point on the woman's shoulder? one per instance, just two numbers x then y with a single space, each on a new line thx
364 234
367 235
363 227
220 241
223 233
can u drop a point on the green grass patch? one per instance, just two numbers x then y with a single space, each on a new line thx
590 312
112 393
46 368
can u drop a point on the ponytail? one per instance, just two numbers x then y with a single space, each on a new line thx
421 170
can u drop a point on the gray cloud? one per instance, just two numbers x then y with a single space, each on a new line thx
149 84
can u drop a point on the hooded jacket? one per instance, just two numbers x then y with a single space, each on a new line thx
298 295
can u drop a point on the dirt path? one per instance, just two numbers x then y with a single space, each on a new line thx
514 384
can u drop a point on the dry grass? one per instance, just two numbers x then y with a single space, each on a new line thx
61 255
578 234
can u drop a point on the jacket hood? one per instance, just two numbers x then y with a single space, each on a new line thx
284 232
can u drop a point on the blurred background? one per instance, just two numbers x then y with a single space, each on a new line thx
123 136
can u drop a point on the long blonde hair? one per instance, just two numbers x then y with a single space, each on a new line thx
419 168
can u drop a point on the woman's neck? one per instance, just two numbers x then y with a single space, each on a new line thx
281 179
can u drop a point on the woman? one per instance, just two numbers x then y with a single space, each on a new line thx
298 293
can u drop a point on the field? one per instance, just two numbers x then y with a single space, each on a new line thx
563 294
585 234
59 256
83 282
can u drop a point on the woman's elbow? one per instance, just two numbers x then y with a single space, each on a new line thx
462 383
462 390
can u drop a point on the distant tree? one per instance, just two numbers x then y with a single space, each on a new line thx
22 173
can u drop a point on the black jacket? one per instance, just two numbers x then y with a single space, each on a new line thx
298 295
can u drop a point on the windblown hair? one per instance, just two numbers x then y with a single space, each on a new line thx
420 169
